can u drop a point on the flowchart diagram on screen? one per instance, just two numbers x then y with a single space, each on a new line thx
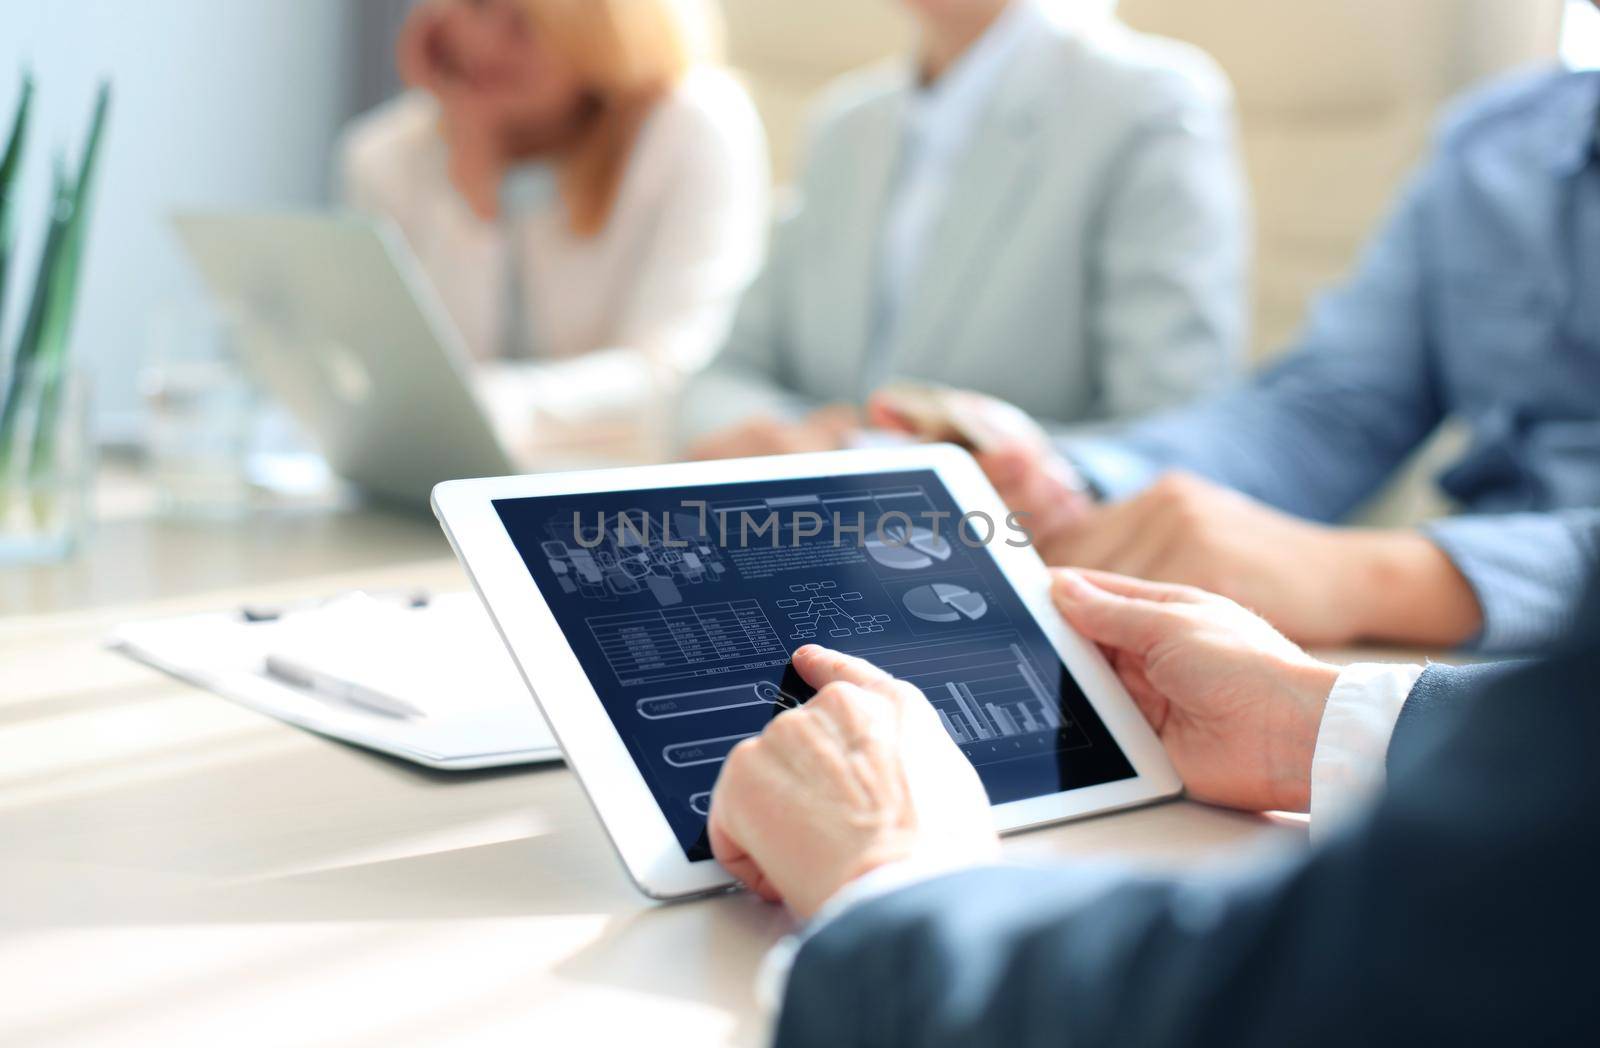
819 608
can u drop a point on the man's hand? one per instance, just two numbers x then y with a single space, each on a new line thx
1236 705
1043 488
1320 585
826 429
1013 451
862 775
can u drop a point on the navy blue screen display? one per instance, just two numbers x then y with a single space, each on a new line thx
683 604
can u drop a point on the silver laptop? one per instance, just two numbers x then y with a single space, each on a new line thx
337 319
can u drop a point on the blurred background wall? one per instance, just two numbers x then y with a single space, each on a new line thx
237 104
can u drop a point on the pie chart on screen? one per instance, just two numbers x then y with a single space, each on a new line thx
944 602
908 549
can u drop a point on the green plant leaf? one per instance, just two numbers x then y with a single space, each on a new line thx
51 355
64 282
10 176
20 381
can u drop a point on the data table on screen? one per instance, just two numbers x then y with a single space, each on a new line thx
673 643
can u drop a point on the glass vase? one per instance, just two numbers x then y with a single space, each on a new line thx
46 475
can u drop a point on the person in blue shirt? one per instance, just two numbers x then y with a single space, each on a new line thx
1478 302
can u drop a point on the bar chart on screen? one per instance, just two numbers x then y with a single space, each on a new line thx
990 696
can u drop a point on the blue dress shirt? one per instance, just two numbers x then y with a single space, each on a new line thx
1479 301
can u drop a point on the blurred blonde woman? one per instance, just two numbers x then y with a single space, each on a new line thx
587 191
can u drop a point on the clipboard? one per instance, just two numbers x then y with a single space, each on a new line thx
480 716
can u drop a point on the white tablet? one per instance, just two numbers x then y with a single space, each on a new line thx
652 612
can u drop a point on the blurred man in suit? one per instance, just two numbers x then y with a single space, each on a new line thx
1477 302
1040 203
1457 909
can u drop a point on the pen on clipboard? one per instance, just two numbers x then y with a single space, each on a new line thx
274 612
328 686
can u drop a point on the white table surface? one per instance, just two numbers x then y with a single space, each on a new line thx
175 869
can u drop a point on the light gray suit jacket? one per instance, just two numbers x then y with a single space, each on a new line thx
1090 263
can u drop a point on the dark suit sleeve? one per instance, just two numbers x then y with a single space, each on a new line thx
1462 909
1432 700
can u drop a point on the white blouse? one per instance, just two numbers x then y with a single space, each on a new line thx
613 322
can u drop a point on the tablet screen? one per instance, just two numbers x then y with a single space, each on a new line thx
683 604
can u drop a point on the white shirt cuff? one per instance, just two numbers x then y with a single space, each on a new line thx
772 978
1347 769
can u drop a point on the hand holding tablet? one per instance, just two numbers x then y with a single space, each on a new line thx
653 613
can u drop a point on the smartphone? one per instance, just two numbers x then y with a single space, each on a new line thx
971 420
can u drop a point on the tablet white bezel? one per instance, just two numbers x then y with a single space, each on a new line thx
595 751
